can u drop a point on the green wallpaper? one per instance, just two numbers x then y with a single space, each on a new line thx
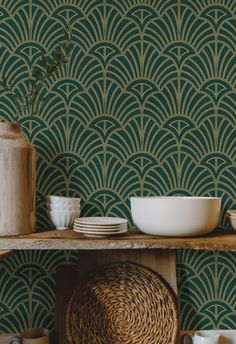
27 293
146 106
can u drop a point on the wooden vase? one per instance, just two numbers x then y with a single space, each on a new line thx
17 182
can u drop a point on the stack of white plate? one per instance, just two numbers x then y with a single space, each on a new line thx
100 226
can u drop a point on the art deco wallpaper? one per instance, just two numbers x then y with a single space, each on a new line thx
145 106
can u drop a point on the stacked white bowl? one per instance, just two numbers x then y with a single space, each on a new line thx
63 211
232 217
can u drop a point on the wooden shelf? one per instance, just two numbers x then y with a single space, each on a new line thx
55 240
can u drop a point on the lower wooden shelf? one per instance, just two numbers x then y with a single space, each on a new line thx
6 253
157 253
69 240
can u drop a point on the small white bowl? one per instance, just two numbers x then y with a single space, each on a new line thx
176 216
231 213
63 219
233 221
62 208
60 200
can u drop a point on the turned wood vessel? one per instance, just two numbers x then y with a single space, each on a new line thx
17 182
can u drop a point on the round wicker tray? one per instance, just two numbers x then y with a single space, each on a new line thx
122 303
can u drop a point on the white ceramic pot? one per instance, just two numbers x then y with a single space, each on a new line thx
201 337
176 216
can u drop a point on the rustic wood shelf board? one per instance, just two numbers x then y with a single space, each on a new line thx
70 240
6 253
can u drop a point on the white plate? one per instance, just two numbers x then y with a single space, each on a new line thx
95 229
77 223
96 233
102 221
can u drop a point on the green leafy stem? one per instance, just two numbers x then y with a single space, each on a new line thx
34 98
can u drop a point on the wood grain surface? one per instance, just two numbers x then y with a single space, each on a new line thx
6 253
55 239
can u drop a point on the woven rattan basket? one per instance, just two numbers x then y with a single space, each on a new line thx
122 303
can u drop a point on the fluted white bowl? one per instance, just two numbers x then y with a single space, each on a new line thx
232 217
61 208
231 213
233 221
63 201
176 216
63 219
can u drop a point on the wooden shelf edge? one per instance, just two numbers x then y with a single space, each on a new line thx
70 240
6 253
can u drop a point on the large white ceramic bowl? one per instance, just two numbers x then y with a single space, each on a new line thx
176 216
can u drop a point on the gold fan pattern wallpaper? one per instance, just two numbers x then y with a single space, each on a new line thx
145 106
